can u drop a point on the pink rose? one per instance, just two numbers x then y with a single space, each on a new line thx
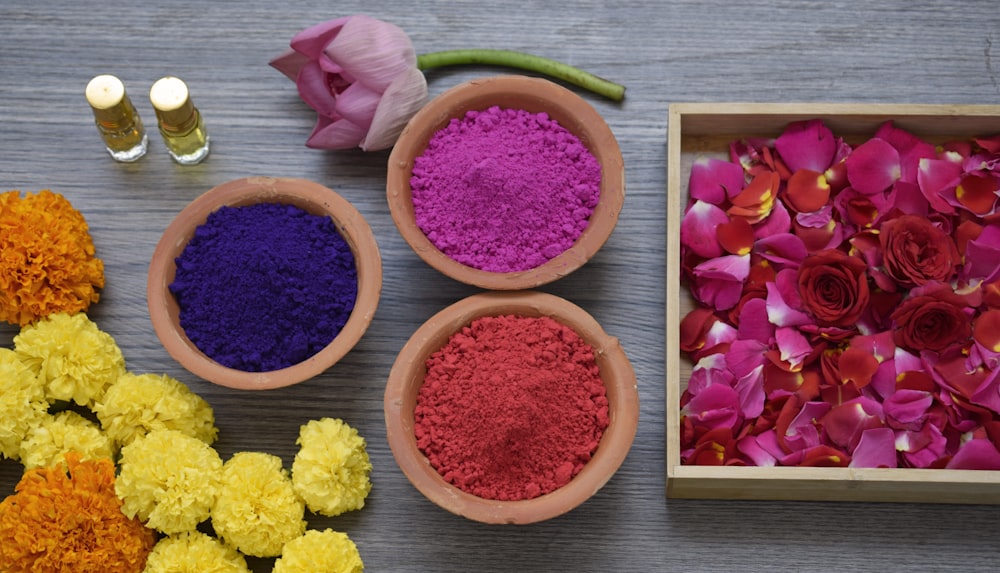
360 75
833 287
915 251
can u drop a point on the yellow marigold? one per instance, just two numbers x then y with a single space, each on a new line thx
257 511
136 404
194 552
22 403
169 480
48 443
75 360
47 262
330 471
66 518
325 551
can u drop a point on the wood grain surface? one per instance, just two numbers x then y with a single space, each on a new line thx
663 51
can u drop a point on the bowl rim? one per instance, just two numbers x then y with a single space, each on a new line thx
534 95
406 377
305 194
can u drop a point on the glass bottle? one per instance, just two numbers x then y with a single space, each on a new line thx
180 122
117 120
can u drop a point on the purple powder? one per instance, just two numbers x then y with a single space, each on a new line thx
504 190
264 286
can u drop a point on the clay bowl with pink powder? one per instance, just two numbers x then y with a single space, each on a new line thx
554 259
314 199
404 395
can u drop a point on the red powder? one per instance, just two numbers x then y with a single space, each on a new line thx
511 407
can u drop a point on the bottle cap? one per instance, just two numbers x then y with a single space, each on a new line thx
106 96
172 104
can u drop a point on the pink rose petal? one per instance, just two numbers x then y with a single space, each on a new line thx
976 454
873 166
715 180
698 229
806 145
719 281
876 449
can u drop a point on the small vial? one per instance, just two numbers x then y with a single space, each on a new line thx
117 120
180 123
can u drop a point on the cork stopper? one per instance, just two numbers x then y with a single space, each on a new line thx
106 96
172 103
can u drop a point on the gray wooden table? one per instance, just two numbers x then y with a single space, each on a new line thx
768 51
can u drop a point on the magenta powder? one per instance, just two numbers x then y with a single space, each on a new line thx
504 190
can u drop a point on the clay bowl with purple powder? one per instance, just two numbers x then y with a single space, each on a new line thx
356 307
406 413
508 202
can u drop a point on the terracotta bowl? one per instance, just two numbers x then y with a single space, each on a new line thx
513 92
307 195
407 376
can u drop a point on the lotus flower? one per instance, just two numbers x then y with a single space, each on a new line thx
364 79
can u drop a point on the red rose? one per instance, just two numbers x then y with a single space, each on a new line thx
834 287
915 251
932 320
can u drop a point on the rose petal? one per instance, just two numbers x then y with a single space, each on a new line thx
911 149
907 409
755 323
986 330
802 431
982 255
978 192
717 406
817 456
715 180
694 328
698 229
807 191
876 449
935 178
778 222
922 448
719 281
736 236
751 391
745 356
779 311
857 366
753 448
977 454
792 345
806 145
873 166
784 250
845 423
755 201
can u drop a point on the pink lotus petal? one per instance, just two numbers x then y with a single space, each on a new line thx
402 100
719 281
372 51
754 322
911 149
751 447
311 41
715 180
329 134
976 454
806 145
845 423
290 63
698 229
907 409
876 449
783 250
793 346
873 166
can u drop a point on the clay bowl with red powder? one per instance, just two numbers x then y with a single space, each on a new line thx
407 376
314 199
536 96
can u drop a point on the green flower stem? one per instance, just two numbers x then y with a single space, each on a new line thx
520 60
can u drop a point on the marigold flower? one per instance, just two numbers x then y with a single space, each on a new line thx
330 471
194 552
74 359
324 551
136 404
47 262
169 480
67 518
48 443
257 511
22 403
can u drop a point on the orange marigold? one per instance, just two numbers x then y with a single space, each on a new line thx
47 261
67 518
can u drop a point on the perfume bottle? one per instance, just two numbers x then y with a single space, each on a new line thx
117 120
180 122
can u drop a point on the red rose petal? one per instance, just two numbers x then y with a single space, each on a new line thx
757 198
978 193
986 330
858 366
808 191
694 328
736 236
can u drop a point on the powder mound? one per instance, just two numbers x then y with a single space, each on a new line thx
504 190
262 287
511 407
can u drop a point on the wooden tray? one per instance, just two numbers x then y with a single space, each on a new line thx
697 129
